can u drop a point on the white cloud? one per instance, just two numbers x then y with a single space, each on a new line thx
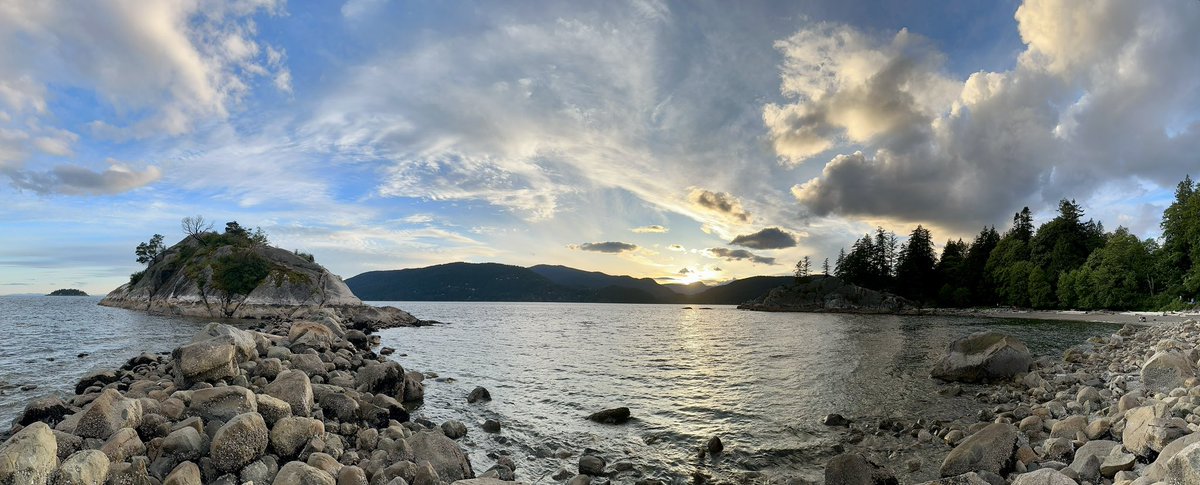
1099 94
76 180
651 229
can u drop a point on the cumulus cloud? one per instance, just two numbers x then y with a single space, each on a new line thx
768 238
651 229
677 247
720 203
75 180
738 255
1099 94
605 247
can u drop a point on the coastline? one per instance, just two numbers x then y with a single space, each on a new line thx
1100 316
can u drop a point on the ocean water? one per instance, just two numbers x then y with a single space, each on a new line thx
760 381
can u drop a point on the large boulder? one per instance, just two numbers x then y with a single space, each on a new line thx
984 356
48 409
222 403
294 388
381 378
857 469
108 413
186 473
244 341
30 456
1167 370
185 444
1148 429
290 434
310 334
122 445
1156 470
240 441
447 459
205 361
990 449
87 467
1184 467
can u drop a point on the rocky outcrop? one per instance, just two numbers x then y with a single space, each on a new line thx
984 356
829 294
216 275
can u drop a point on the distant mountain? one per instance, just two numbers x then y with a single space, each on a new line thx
550 283
688 289
595 280
740 291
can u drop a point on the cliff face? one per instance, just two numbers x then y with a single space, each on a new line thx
829 294
216 276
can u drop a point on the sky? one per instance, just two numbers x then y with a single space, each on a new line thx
686 141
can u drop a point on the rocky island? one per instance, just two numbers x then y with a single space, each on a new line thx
68 292
829 294
233 275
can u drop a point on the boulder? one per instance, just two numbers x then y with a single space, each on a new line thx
1068 427
964 479
1184 467
984 355
611 416
272 409
1156 470
123 445
479 394
857 469
381 378
414 388
1167 370
185 444
48 409
240 441
244 341
447 459
222 403
29 456
99 378
299 473
454 429
290 434
339 406
311 335
592 465
87 467
1148 429
107 414
186 473
990 449
205 361
295 388
1044 476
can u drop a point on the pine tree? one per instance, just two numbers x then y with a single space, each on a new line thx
916 266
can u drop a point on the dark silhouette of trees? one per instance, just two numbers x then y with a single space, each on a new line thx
916 266
148 252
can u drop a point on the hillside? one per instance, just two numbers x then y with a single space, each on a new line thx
229 275
502 282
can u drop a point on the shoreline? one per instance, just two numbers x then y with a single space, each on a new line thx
1099 316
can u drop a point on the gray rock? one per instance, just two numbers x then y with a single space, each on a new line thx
964 479
294 388
611 416
185 444
984 355
591 465
340 406
289 435
479 394
1167 370
990 449
447 459
351 475
47 409
1069 427
1044 476
310 334
491 426
300 473
107 414
857 469
1117 461
239 442
186 473
381 378
222 403
1184 467
1149 429
206 361
454 429
1157 469
87 467
29 456
271 408
122 445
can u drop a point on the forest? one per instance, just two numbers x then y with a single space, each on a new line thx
1064 263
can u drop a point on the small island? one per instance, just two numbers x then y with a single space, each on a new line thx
68 292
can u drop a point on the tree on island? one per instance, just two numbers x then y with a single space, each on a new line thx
195 226
148 252
68 292
802 268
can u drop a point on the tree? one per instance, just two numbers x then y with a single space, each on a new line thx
1181 243
974 268
825 267
1064 243
955 288
840 263
1022 225
194 226
1115 276
916 266
802 267
148 252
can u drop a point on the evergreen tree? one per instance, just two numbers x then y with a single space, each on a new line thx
1064 243
954 288
839 265
1022 225
974 269
916 266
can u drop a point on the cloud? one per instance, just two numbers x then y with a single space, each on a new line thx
769 238
720 203
76 180
677 247
606 247
1098 95
684 272
737 255
651 229
418 219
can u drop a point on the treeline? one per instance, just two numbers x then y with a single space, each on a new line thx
1064 263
